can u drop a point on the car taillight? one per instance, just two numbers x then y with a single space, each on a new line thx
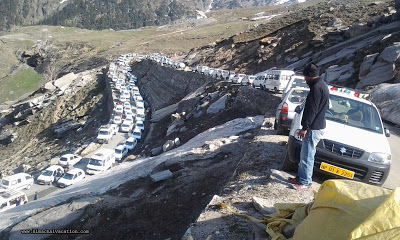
285 108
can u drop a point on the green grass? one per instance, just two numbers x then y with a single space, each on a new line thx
16 85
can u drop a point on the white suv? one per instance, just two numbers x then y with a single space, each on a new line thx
354 144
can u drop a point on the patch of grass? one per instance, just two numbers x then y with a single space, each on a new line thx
21 82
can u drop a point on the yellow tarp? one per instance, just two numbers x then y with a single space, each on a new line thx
349 210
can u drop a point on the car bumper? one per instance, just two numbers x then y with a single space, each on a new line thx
364 171
284 121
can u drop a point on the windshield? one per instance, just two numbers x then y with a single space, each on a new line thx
298 82
103 132
95 162
47 173
68 176
125 125
353 113
5 182
118 151
136 134
140 125
298 96
64 159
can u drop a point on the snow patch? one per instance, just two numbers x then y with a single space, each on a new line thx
63 1
200 14
210 6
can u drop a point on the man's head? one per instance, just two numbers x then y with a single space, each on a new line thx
311 72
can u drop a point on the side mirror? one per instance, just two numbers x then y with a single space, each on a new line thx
387 132
298 109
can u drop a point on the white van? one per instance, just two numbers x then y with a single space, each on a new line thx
100 161
9 199
276 80
17 181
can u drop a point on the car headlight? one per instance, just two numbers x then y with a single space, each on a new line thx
381 158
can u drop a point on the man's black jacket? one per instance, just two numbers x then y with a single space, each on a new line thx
317 103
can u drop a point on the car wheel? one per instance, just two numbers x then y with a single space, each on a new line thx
275 125
281 130
287 165
29 186
275 90
51 183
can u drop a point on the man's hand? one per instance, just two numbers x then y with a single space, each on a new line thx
302 133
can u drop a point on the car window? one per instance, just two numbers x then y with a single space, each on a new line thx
28 177
298 82
19 180
353 113
5 182
298 96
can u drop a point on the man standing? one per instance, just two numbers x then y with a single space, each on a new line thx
313 122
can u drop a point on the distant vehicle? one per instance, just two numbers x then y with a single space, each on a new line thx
248 80
136 96
17 181
100 161
295 81
140 125
238 78
69 160
257 82
129 119
137 133
117 120
224 74
50 175
201 69
285 111
126 126
122 98
9 199
127 105
119 109
71 177
276 80
105 134
131 143
140 117
120 152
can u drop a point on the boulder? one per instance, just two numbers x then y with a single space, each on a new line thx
217 106
90 148
356 30
339 73
175 126
64 82
177 142
156 151
380 72
336 22
386 98
367 63
188 104
391 54
168 145
397 4
262 205
198 114
49 86
161 176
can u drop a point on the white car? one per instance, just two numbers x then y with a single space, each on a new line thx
123 99
129 119
140 125
238 78
71 177
295 81
119 109
224 74
126 126
117 120
140 118
354 145
50 175
128 114
131 143
128 109
248 80
231 76
120 152
127 105
69 160
285 111
137 133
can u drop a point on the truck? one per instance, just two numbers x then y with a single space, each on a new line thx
100 161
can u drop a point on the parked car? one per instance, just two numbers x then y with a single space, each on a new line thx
137 133
295 81
224 74
126 126
354 145
117 120
131 143
105 134
69 160
257 82
119 109
140 125
100 161
17 181
120 152
50 175
285 111
276 80
248 80
71 177
238 78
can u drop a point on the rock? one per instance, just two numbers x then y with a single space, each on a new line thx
367 63
198 114
263 205
49 86
161 176
397 4
64 128
397 79
391 54
356 30
64 82
162 113
90 148
54 161
218 105
137 193
175 116
214 95
288 231
341 73
188 104
391 10
184 129
336 22
267 41
380 73
248 135
175 126
168 145
156 151
205 104
177 142
386 98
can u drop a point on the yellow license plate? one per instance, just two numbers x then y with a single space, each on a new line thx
337 170
41 183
